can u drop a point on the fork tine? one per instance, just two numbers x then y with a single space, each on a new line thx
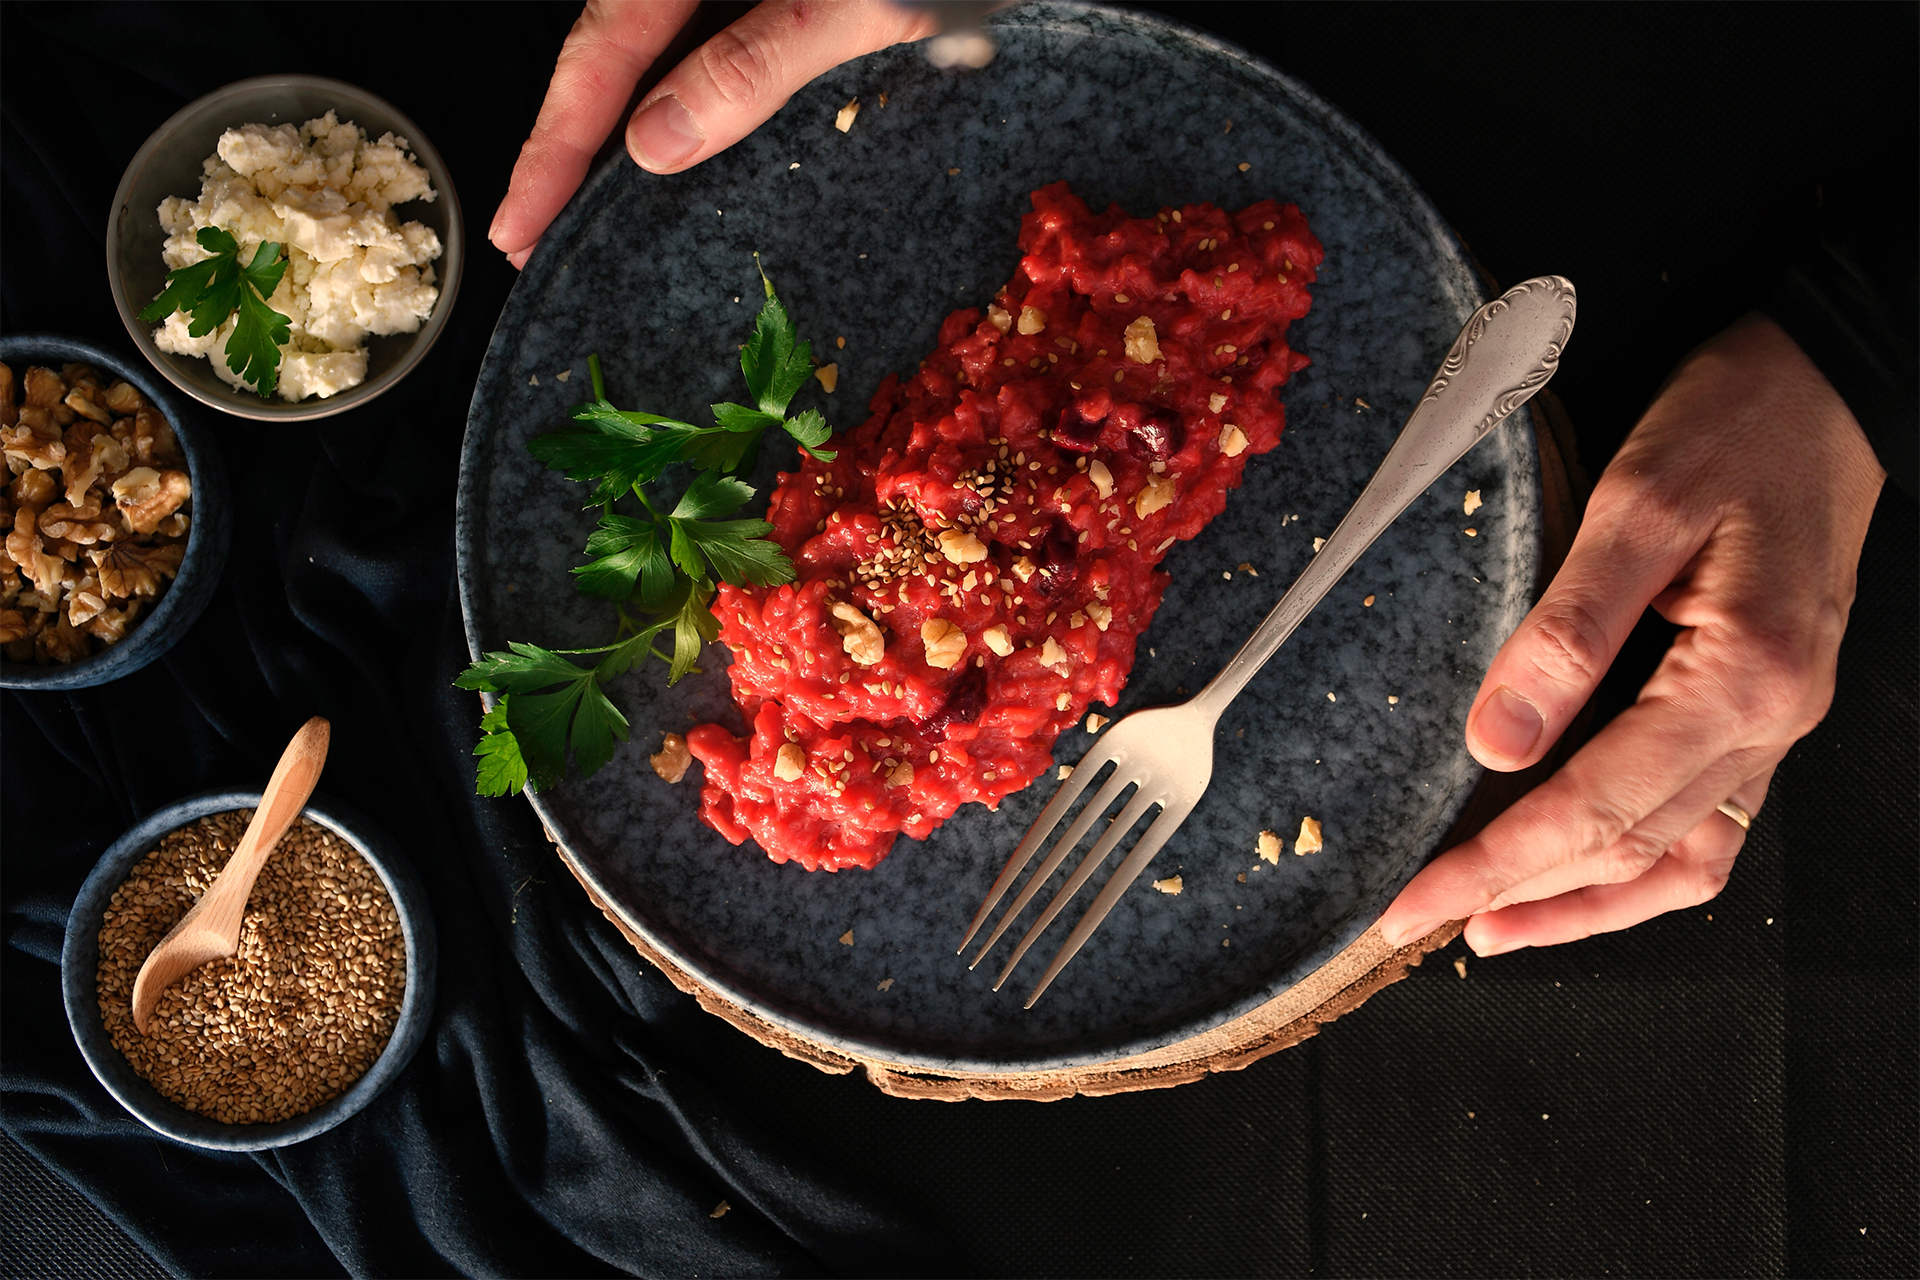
1136 861
1096 759
1061 848
1119 827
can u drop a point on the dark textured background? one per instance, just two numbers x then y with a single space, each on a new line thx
1710 1093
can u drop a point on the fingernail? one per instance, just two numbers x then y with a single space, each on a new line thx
1401 935
663 136
493 228
1495 949
1508 725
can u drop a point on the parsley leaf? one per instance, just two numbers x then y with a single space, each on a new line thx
739 550
737 417
776 367
501 771
693 626
215 288
612 448
527 733
711 495
811 430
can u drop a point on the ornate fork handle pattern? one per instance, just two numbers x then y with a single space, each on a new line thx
1560 291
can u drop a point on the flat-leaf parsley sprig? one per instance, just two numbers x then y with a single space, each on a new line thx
622 449
658 565
214 288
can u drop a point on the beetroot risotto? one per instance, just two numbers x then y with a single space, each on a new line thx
976 564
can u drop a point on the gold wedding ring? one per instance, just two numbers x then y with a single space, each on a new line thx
1738 814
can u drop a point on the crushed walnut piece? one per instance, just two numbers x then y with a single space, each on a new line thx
97 508
790 762
1269 847
1309 839
671 761
859 636
1172 884
1472 503
1143 344
1158 492
961 547
946 644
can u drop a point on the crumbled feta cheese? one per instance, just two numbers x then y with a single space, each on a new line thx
326 193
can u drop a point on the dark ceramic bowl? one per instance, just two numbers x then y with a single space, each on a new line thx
186 596
169 165
80 959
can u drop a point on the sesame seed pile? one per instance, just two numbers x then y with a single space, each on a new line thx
298 1014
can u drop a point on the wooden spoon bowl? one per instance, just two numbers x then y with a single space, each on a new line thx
211 928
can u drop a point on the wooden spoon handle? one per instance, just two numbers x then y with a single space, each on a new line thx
211 927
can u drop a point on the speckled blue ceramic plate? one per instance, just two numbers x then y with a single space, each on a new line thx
875 235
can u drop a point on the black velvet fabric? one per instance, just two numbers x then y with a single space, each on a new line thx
1729 1090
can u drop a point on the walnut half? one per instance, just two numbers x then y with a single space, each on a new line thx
946 644
858 634
147 497
128 569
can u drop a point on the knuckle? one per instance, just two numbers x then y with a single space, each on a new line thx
1708 879
1629 858
737 67
1568 644
1780 688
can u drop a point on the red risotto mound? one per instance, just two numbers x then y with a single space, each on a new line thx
975 565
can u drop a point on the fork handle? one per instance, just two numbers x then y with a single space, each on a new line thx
1506 352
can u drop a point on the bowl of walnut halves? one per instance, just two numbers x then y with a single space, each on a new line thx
116 513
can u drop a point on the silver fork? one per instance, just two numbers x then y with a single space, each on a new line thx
1506 352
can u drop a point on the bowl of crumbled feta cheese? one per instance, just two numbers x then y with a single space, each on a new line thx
285 248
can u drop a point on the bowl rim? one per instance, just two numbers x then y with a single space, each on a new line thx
79 962
207 540
451 264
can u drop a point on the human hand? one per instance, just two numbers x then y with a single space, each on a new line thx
1736 508
723 91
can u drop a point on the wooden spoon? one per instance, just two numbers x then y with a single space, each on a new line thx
211 929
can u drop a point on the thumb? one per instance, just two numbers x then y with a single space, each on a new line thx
732 84
1620 561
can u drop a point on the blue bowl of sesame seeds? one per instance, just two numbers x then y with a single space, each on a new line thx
82 982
